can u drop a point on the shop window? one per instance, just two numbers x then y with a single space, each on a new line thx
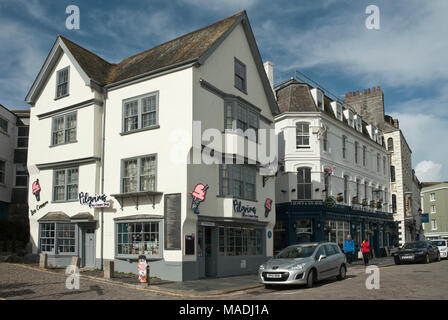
240 241
60 234
304 183
134 238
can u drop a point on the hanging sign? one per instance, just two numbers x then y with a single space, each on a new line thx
198 195
267 207
96 201
36 189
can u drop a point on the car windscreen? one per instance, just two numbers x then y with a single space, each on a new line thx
439 243
414 245
296 252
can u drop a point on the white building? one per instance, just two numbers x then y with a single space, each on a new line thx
127 130
329 155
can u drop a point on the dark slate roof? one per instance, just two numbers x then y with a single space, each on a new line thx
294 96
55 216
95 67
184 49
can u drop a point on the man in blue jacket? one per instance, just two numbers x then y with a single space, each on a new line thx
349 248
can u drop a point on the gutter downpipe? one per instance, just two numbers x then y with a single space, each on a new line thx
103 139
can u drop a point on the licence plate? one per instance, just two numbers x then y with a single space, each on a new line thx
273 275
407 257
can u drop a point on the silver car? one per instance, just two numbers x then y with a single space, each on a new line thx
304 264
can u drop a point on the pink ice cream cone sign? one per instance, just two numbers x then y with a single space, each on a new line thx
198 195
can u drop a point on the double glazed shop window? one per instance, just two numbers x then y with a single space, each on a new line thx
240 241
61 234
138 238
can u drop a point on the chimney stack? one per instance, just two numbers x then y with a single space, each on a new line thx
269 68
379 88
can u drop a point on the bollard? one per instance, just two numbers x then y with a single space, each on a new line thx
109 269
43 262
148 278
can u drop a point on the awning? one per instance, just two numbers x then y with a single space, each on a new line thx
55 216
82 217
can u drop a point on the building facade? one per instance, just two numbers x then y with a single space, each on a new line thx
405 206
334 173
435 204
114 150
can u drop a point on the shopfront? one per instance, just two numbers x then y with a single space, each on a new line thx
228 247
306 221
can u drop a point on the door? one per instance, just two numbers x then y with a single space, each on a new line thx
323 266
334 259
89 247
209 252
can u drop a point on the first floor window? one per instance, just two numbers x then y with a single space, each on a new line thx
325 140
4 125
138 238
433 209
141 112
57 235
238 180
240 241
21 175
241 116
392 173
346 200
394 203
2 171
304 183
64 129
139 174
302 135
432 197
65 184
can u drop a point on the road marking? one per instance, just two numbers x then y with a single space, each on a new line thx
168 293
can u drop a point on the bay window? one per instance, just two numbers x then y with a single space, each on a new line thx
139 174
65 184
238 180
140 237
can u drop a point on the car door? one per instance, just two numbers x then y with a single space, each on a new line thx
322 266
333 261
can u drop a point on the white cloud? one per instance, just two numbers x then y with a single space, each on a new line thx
428 171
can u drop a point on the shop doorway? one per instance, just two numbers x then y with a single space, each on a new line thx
210 251
89 247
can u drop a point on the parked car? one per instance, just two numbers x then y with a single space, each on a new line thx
442 245
418 251
304 264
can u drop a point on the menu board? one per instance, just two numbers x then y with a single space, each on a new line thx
189 244
172 222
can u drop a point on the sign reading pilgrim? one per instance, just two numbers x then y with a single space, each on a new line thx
96 201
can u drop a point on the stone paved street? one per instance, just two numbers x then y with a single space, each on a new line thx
418 281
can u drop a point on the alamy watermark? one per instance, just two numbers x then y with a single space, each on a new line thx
73 20
72 281
373 280
373 20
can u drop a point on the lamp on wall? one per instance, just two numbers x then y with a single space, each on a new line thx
293 190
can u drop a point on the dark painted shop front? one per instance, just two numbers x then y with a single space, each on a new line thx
314 220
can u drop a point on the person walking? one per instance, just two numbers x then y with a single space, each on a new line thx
365 248
349 248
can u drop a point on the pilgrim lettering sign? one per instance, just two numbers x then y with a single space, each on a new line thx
96 201
245 210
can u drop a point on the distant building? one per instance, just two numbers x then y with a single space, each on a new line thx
370 105
334 174
434 197
14 127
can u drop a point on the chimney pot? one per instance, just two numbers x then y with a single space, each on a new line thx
374 89
350 93
346 95
379 88
368 90
365 91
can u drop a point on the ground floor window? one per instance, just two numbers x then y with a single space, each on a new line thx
57 235
135 238
304 230
240 241
336 231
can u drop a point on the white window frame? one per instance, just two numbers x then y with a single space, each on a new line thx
433 208
432 196
139 115
303 135
433 224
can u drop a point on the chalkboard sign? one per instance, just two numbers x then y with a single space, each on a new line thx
172 222
189 244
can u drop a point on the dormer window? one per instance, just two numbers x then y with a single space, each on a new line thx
358 123
320 100
62 83
339 111
351 121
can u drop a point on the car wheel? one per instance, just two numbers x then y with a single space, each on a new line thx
397 260
310 279
268 286
438 257
427 260
342 273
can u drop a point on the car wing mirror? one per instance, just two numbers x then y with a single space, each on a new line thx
322 257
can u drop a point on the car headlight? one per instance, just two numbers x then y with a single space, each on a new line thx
297 267
261 267
443 249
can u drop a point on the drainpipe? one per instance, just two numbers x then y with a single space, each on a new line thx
103 138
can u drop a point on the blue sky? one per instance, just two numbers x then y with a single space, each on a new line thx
326 39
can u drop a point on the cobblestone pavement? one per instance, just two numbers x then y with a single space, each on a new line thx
412 281
417 281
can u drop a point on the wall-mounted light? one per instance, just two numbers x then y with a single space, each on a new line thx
293 190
